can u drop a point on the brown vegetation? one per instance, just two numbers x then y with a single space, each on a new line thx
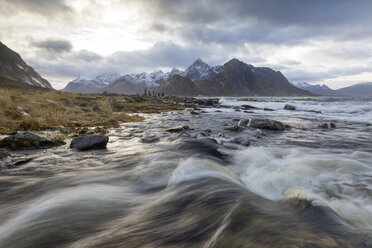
43 110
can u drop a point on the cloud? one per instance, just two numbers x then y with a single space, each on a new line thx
43 7
53 45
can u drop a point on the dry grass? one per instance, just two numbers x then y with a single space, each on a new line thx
39 110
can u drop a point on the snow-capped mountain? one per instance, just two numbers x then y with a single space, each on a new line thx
137 83
200 71
91 83
316 89
14 68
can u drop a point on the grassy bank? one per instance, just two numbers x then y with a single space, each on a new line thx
43 110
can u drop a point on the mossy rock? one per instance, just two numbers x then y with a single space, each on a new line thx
20 144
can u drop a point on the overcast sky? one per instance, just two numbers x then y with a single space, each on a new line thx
315 41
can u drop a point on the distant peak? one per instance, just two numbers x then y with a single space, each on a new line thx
199 61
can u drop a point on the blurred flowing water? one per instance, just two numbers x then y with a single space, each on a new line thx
303 187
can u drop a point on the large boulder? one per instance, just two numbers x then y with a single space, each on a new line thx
28 140
266 124
91 142
289 107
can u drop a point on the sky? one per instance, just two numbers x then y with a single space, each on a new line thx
318 41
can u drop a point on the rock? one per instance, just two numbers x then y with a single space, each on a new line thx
289 107
234 128
221 135
207 131
149 138
327 125
177 129
20 161
259 133
242 141
27 140
245 106
90 132
243 122
4 153
194 112
314 111
218 111
84 143
266 124
268 109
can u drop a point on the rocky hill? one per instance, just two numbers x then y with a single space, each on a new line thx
13 67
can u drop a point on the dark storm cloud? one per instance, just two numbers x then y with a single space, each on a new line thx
273 12
263 21
44 7
53 45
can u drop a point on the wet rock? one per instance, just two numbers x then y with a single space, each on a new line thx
177 129
268 109
221 135
314 111
243 122
289 107
259 133
85 143
242 141
20 161
4 153
218 111
149 138
266 124
207 131
28 140
194 112
327 125
234 128
245 106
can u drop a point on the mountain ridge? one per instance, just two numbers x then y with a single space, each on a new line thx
13 67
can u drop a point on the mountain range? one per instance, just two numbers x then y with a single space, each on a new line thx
14 72
234 78
137 83
360 89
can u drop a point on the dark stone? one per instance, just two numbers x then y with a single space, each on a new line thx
234 128
327 125
242 141
89 142
266 124
268 109
243 122
28 140
245 106
20 161
314 111
177 129
289 107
